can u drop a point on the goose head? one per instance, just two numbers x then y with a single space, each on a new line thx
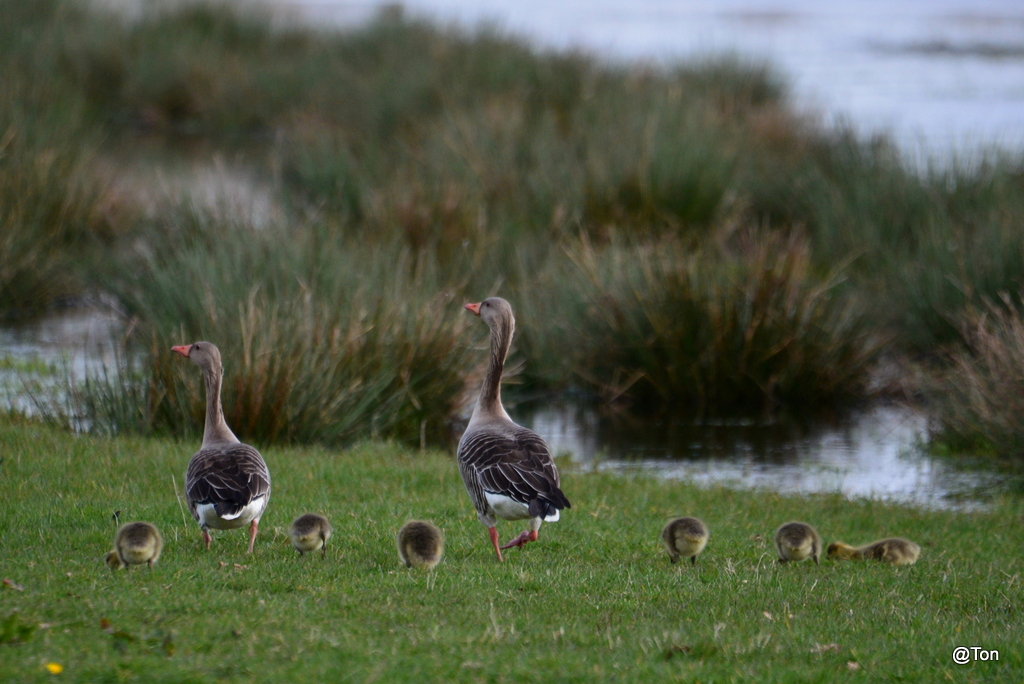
203 354
495 312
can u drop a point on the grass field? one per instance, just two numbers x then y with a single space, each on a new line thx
595 600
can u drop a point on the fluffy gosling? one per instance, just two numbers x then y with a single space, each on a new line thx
686 538
310 532
134 544
797 541
895 550
420 544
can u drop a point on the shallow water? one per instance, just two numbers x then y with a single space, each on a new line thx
37 356
874 454
84 338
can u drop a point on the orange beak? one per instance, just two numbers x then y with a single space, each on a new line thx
474 308
182 349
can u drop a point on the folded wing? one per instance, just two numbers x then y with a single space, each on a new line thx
516 464
228 477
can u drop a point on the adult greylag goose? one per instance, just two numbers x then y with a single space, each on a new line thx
797 541
227 484
310 532
507 469
685 538
420 544
895 550
134 544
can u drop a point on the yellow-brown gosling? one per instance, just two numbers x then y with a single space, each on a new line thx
895 550
309 533
797 541
420 544
135 543
685 538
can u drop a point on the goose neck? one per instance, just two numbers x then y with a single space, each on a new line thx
216 429
490 394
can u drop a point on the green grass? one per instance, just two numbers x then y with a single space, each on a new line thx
595 600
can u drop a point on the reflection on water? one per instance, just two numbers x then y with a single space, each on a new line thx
36 356
84 338
875 454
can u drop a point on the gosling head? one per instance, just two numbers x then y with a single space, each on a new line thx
838 550
113 561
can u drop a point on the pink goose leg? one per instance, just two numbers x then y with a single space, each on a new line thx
494 540
526 536
253 529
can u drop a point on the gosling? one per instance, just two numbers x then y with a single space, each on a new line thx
420 544
135 543
797 541
310 532
896 550
686 538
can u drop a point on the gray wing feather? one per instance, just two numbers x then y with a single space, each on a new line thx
229 477
516 464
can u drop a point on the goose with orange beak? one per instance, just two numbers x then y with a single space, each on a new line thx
507 469
227 484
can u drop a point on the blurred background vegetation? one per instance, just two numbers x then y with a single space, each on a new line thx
671 238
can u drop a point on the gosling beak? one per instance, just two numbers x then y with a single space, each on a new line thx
474 308
181 349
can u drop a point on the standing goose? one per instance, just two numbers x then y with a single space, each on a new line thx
507 469
227 484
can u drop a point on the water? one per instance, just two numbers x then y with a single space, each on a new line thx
874 454
944 77
84 338
36 357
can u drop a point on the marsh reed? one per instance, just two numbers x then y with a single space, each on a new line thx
676 236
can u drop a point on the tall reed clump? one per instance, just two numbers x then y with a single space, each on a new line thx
48 205
322 341
745 329
979 400
965 254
